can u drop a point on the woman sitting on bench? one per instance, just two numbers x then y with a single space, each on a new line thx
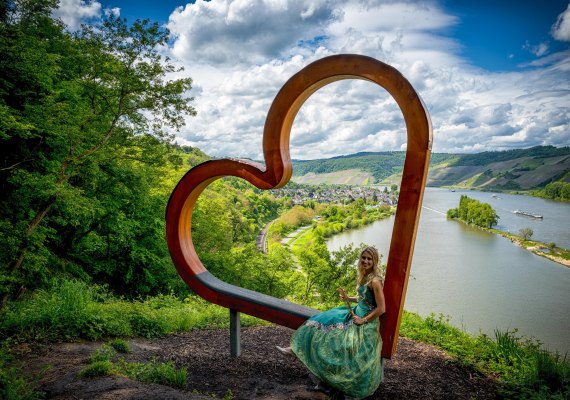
341 346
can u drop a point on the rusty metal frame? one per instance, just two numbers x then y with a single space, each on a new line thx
277 172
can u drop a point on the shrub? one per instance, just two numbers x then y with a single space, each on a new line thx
120 345
155 372
553 371
98 368
105 353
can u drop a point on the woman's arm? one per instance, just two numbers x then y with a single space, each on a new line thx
344 297
378 290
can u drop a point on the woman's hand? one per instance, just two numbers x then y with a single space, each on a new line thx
359 321
342 295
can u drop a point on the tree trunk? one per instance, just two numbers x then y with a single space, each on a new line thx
21 255
31 228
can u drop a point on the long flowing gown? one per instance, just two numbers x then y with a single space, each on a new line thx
340 353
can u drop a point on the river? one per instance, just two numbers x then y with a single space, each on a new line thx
479 280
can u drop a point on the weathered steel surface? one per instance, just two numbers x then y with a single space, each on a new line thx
277 172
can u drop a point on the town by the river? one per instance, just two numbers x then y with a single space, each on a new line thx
479 280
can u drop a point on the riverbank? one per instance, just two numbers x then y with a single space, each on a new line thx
530 193
550 251
473 212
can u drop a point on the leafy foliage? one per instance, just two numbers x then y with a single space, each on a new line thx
326 272
556 191
85 124
73 309
16 384
474 212
526 233
526 371
489 157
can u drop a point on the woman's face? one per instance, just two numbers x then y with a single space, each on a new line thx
367 262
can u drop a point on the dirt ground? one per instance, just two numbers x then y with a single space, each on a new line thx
417 371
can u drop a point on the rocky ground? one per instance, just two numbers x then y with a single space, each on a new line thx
417 371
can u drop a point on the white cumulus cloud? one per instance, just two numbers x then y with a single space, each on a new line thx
241 53
246 31
115 11
561 28
74 12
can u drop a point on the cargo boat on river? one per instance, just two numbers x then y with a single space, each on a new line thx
527 214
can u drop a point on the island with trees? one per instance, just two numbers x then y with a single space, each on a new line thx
482 215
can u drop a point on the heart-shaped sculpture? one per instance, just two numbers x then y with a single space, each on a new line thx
277 172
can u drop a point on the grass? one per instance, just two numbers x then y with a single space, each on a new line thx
526 370
105 353
302 239
120 345
155 372
523 366
73 309
555 253
98 368
103 362
15 384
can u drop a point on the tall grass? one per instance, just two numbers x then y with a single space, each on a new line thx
73 309
155 372
526 370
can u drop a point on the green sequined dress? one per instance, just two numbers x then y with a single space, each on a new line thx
340 353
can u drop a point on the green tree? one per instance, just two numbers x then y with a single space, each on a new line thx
565 191
526 233
474 212
553 190
359 207
77 112
325 272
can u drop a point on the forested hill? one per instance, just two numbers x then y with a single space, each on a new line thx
522 169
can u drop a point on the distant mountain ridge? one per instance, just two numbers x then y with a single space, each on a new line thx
518 169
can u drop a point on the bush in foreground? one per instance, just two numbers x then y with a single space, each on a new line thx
73 309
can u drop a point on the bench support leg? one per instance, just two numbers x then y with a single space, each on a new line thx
235 327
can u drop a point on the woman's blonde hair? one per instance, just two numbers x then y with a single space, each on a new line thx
376 272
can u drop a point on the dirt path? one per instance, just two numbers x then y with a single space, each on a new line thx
417 371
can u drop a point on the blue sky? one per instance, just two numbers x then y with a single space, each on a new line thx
493 33
494 74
